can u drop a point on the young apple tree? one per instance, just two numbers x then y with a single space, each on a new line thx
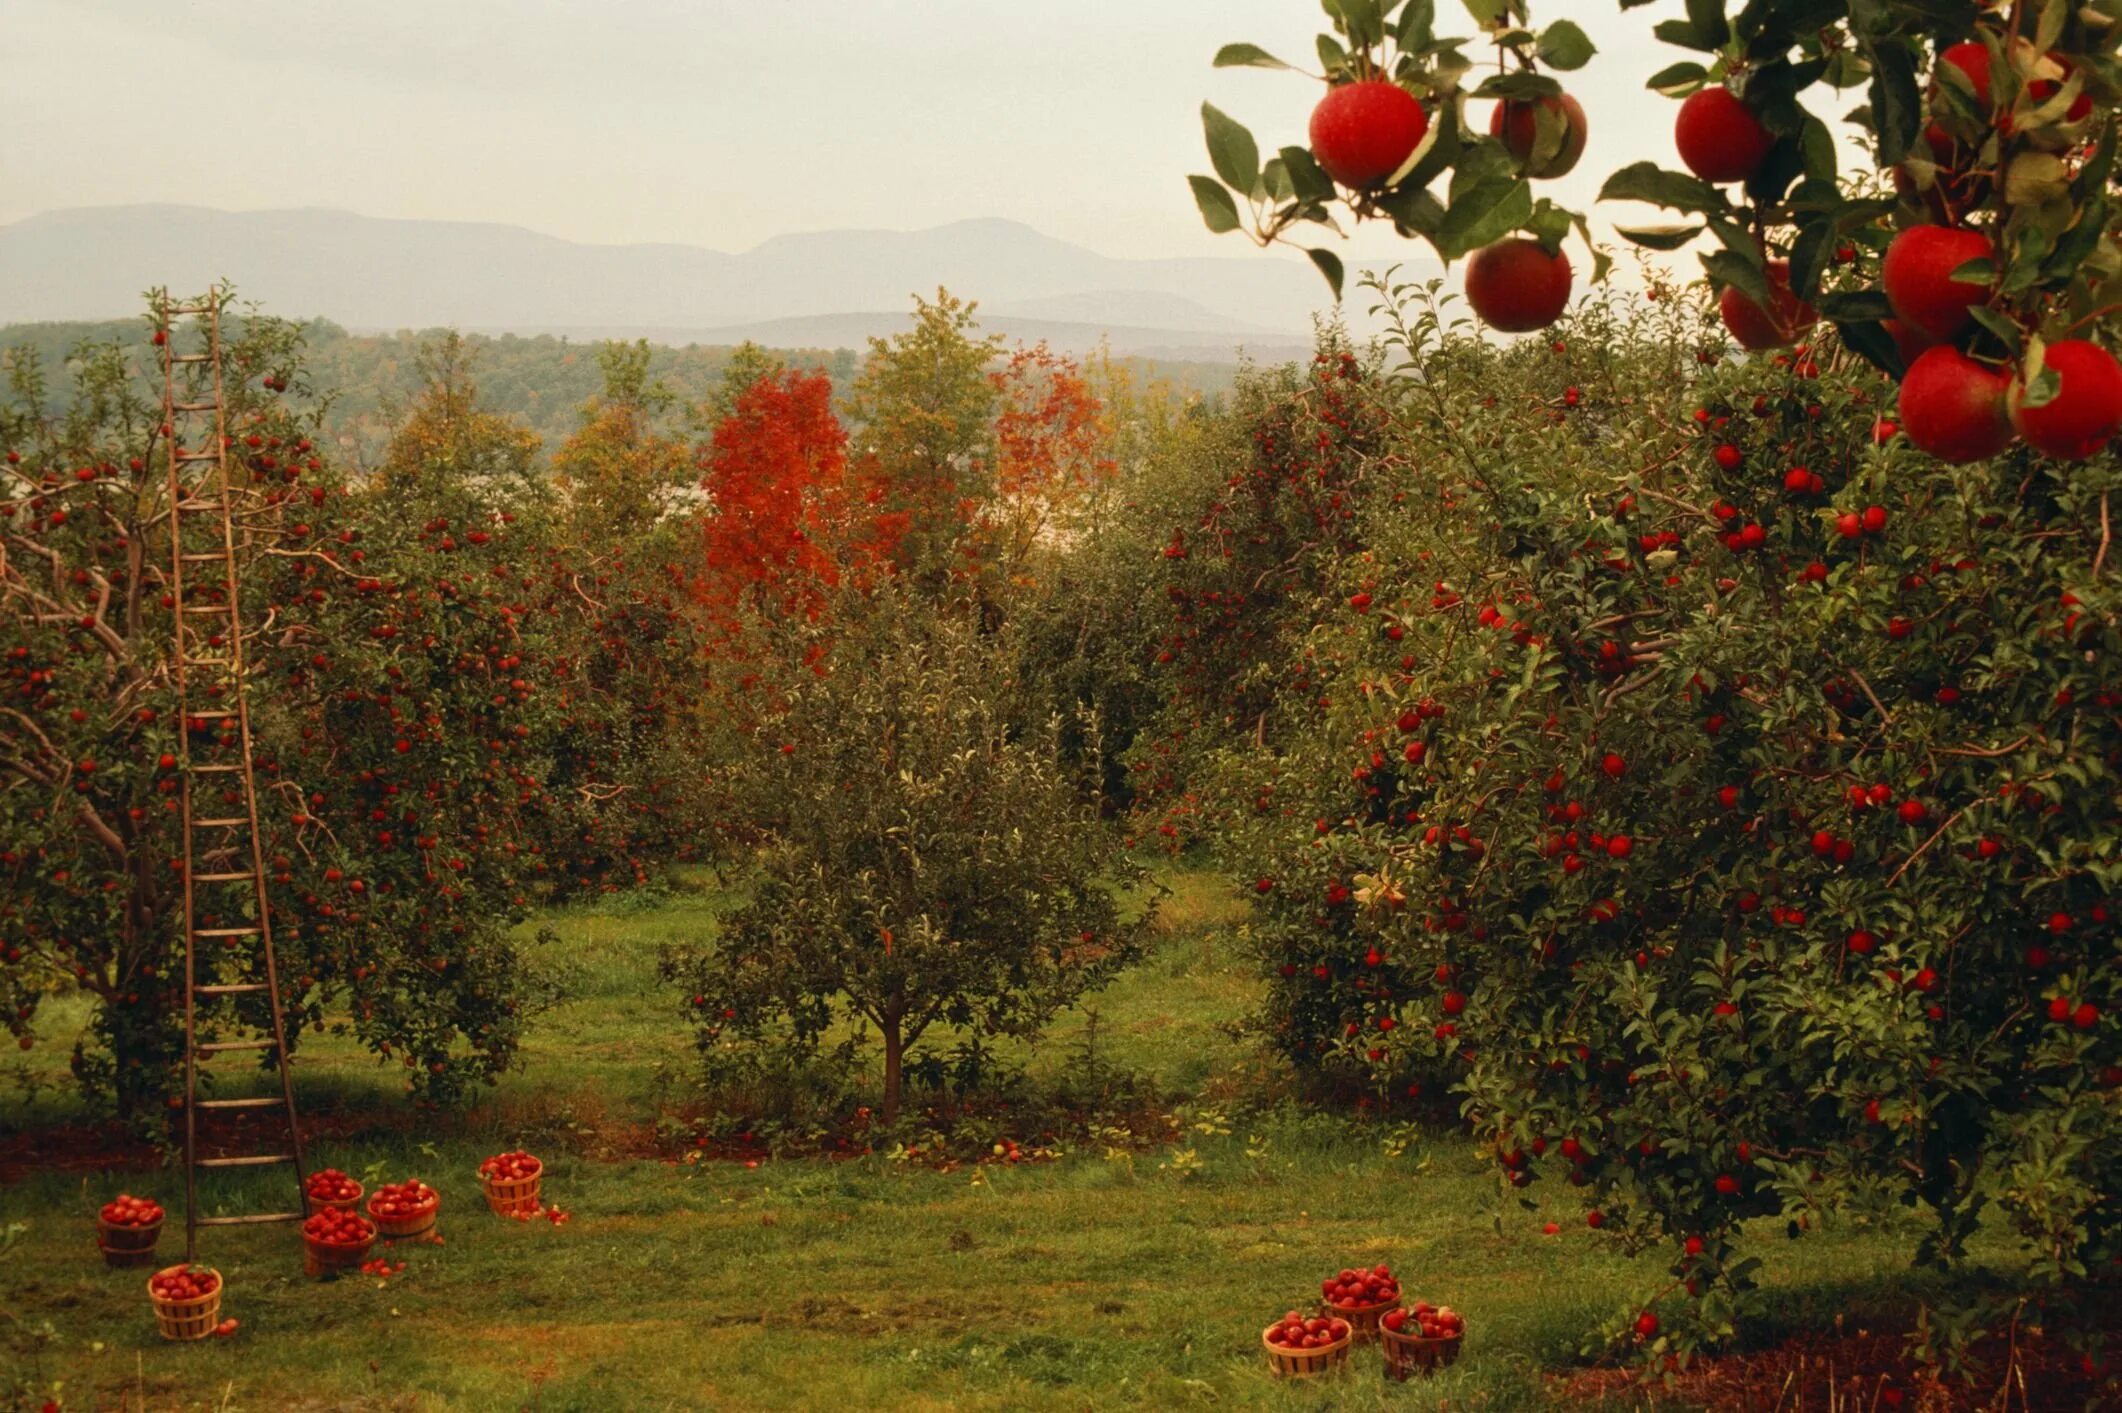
928 862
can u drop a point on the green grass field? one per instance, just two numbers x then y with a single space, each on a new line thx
1120 1275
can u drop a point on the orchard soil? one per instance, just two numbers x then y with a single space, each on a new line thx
1134 1266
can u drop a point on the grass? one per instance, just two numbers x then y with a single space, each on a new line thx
1127 1277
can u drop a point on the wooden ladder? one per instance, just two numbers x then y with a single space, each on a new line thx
208 654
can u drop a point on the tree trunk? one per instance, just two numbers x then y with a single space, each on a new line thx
894 1057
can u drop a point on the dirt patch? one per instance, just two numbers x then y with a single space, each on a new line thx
1864 1372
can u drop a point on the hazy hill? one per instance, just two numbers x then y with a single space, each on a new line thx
367 273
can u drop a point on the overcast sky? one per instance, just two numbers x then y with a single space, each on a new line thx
703 122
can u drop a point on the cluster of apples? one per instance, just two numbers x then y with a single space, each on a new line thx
335 1226
184 1283
1364 133
510 1167
1961 408
1428 1321
130 1211
1295 1331
1356 1289
1955 406
331 1185
401 1201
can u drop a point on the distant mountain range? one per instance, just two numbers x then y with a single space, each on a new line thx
826 289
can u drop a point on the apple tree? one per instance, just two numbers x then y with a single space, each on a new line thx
928 861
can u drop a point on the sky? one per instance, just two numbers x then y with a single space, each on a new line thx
703 122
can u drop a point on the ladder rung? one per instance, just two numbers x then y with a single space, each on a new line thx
178 311
208 607
197 506
193 406
203 557
230 932
206 662
198 456
243 877
215 1047
247 1220
215 769
189 357
260 1161
221 823
217 714
238 1103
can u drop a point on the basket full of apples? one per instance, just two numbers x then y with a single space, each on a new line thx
187 1301
1300 1345
405 1211
127 1229
1361 1297
328 1189
336 1240
1421 1338
510 1182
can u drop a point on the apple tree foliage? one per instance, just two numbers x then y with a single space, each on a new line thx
446 696
1747 800
928 861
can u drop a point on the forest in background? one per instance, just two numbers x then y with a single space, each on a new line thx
541 380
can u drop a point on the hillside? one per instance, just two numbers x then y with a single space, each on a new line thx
366 273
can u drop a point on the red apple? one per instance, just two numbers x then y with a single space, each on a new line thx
1719 137
1918 275
1516 121
1516 287
1364 132
1954 407
1779 325
2086 409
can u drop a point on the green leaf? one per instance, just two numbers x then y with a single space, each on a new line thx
1564 46
1246 56
1218 211
1482 215
1522 83
1678 80
1487 13
1549 224
1647 181
1681 33
1706 18
1275 182
1231 149
1330 266
1846 69
1658 237
1418 24
1875 346
1808 257
1332 57
2035 178
1306 177
1741 272
2006 331
2042 388
1816 146
1862 306
1896 101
